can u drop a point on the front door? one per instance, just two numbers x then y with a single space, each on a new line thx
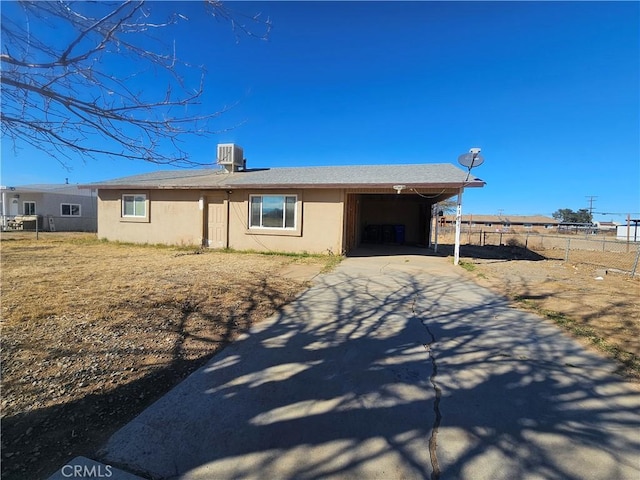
13 208
216 221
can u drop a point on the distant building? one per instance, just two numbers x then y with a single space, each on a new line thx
631 232
502 223
50 207
606 226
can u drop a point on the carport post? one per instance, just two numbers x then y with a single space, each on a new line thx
437 221
456 248
469 160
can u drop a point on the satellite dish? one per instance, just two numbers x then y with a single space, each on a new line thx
471 159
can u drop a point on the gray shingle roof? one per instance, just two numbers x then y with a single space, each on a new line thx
167 179
59 188
347 176
423 175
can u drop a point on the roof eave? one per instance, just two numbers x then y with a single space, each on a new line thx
389 185
273 186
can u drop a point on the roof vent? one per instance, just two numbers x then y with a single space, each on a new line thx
230 156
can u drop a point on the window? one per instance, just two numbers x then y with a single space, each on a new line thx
134 205
70 209
273 211
29 208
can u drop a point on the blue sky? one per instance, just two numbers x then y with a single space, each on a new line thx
549 91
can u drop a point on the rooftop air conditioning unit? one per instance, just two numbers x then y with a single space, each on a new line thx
230 156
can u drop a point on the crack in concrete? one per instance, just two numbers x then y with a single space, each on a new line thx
433 440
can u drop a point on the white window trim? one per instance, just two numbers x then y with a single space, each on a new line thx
71 210
24 204
136 218
133 196
279 229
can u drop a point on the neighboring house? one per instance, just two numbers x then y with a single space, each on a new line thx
50 207
492 223
305 209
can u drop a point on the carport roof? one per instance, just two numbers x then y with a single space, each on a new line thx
346 176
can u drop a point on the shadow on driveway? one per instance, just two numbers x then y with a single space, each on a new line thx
392 367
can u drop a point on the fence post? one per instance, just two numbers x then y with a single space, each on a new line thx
635 264
36 228
566 253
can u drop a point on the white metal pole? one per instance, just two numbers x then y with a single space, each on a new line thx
435 246
431 227
3 223
456 248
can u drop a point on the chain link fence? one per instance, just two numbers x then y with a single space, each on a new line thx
47 223
598 250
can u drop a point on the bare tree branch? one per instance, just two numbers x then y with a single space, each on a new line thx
63 98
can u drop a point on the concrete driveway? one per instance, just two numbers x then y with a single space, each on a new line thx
393 367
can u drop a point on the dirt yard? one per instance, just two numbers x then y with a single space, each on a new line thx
599 307
93 332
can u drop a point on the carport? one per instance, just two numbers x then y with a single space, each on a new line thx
378 217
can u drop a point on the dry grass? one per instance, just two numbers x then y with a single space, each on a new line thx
92 332
601 309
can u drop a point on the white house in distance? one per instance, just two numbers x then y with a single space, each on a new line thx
50 207
606 226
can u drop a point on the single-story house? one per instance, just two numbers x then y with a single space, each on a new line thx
49 207
328 209
502 222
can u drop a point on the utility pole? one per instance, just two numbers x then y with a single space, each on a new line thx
591 198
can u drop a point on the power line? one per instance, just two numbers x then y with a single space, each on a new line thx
617 213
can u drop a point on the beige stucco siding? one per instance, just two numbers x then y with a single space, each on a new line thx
318 221
174 218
